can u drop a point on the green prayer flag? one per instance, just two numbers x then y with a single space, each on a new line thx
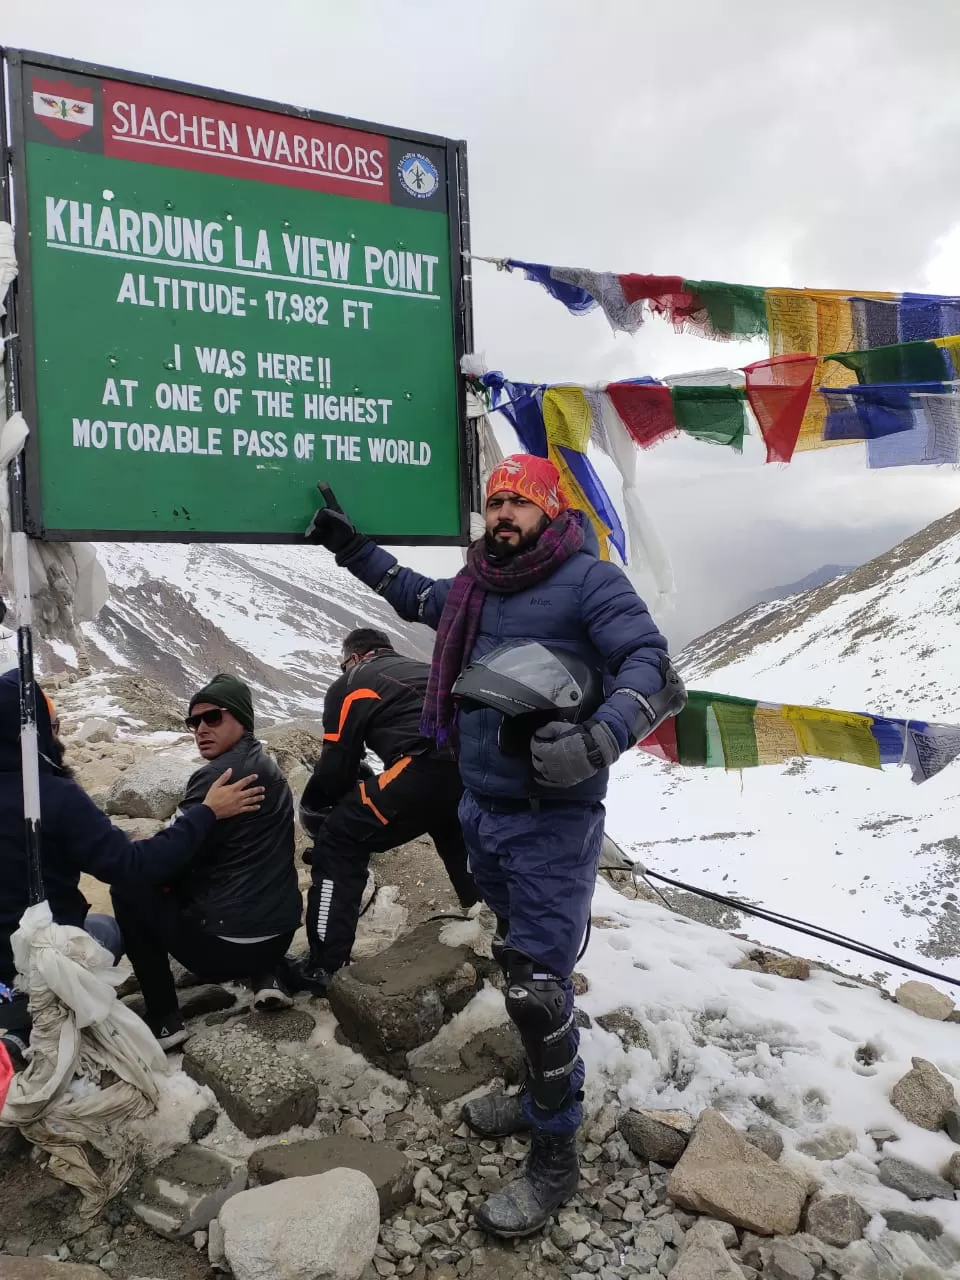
899 362
734 310
737 732
715 414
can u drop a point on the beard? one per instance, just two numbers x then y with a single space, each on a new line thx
501 551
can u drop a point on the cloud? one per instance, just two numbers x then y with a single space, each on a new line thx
763 143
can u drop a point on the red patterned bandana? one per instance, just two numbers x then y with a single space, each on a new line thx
536 479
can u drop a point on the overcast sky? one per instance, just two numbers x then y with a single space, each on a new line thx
745 141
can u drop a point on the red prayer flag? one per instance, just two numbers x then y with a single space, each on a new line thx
662 743
645 409
665 296
778 391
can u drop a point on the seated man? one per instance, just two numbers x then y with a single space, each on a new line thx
77 839
353 813
234 913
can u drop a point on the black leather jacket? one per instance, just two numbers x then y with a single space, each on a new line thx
243 883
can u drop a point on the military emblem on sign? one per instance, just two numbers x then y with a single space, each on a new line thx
66 109
418 175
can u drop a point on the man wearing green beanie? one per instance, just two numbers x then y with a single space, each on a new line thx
234 913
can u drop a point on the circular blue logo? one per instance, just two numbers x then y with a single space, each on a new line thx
418 175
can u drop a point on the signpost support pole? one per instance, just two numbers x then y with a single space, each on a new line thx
20 555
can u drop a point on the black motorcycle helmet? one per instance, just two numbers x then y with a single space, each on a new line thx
529 684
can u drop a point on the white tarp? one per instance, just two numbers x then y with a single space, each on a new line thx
94 1066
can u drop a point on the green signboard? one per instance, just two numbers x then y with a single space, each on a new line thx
224 301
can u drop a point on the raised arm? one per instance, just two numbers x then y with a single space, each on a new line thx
413 596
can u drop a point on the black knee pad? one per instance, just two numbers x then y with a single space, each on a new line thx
536 1003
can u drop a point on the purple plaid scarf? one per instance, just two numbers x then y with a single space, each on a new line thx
460 620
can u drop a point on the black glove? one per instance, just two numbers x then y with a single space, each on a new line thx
565 754
333 530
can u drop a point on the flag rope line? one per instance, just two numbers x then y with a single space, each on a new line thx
798 926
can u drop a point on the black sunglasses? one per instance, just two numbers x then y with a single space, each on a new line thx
215 716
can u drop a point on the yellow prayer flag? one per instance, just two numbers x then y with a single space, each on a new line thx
567 418
776 736
835 735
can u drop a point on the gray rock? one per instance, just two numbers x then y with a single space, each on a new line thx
952 1171
184 1192
914 1182
650 1139
283 1024
837 1220
152 788
765 1139
574 1224
830 1143
387 1168
96 729
951 1122
925 1000
209 998
920 1224
726 1231
703 1257
262 1091
923 1095
323 1227
496 1052
787 1263
720 1173
203 1122
625 1025
393 1002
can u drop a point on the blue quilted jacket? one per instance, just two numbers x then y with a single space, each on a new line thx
588 607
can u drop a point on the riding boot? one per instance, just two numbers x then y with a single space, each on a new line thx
551 1177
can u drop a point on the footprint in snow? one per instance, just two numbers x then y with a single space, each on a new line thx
844 1033
824 1006
761 980
618 943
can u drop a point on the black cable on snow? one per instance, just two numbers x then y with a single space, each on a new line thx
802 926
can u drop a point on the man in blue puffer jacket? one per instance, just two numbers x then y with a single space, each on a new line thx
533 831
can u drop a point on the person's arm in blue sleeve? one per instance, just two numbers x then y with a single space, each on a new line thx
91 842
413 596
633 650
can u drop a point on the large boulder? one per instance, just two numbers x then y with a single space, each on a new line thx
323 1227
387 1168
261 1090
925 1000
150 789
924 1095
393 1002
722 1174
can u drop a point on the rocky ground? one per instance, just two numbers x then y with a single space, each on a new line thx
238 1171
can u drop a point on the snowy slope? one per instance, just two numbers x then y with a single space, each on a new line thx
865 853
273 614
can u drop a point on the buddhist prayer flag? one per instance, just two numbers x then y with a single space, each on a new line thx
718 731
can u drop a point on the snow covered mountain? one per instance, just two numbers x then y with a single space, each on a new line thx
275 615
865 853
817 578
